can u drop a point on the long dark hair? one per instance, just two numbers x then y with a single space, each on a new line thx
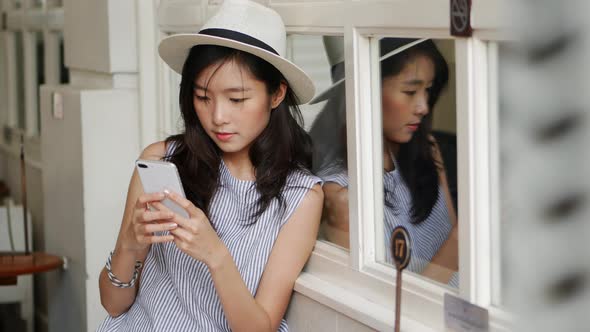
281 148
415 158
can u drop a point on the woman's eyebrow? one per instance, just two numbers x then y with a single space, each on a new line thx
237 89
415 82
231 89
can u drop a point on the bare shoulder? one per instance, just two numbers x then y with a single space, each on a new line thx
316 192
310 205
314 197
154 151
334 188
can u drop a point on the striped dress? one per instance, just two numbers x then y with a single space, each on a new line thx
176 292
427 237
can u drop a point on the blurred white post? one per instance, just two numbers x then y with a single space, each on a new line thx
544 130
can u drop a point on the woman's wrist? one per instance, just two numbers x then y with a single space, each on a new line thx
123 245
122 250
218 258
116 278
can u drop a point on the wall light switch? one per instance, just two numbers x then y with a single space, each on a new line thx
58 106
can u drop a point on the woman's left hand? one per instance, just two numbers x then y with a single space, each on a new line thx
195 236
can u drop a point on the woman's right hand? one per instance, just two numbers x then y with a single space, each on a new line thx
145 223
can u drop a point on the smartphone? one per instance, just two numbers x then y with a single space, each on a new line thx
157 176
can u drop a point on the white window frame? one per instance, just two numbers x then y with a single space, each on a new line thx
29 20
348 282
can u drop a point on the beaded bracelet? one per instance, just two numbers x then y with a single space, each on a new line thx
118 283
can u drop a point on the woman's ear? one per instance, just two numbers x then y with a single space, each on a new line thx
278 97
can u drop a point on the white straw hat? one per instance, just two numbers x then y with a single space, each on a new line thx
389 47
246 26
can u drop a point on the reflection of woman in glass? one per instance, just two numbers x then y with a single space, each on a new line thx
413 73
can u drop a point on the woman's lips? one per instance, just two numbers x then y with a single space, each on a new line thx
413 126
224 136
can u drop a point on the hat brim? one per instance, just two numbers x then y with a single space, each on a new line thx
175 49
331 91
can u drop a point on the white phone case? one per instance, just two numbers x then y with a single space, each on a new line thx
157 176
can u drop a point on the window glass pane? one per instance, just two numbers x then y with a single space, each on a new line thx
416 83
325 119
20 78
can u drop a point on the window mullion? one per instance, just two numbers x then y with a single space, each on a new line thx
495 205
473 143
364 166
376 225
354 145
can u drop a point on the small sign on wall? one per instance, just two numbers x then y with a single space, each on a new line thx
461 18
57 110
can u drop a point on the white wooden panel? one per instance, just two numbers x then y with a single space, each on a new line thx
31 85
95 310
352 304
3 83
11 78
148 34
55 19
305 314
181 16
112 155
490 14
86 35
177 16
34 19
52 61
14 20
98 35
407 14
122 36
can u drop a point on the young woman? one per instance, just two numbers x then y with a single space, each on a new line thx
243 160
413 73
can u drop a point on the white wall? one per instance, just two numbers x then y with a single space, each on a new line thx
305 314
87 163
